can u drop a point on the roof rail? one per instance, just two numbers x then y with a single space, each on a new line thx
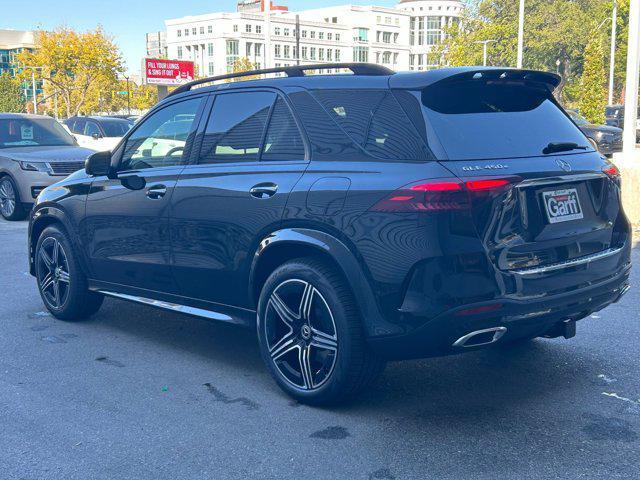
292 71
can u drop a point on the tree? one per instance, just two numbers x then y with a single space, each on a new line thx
11 97
243 64
593 94
76 66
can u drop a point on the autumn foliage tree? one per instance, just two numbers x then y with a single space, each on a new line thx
11 97
77 66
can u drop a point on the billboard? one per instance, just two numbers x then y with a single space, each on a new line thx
168 72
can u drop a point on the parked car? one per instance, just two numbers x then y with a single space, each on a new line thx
350 219
606 139
98 133
615 118
35 152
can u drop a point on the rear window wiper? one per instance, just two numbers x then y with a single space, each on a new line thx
555 147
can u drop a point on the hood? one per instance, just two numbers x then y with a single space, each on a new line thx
47 154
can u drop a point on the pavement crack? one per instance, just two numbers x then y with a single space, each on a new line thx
222 397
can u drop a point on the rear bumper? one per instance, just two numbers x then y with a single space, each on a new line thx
521 317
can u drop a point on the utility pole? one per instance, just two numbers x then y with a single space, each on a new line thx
484 44
33 86
521 35
612 66
297 39
631 87
266 6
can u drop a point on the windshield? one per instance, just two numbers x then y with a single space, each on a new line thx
476 120
116 127
30 132
579 119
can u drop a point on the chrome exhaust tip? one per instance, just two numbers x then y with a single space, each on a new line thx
623 291
480 338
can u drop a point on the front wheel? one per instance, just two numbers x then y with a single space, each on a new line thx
61 281
10 206
310 333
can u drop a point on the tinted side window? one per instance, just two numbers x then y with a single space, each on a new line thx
236 127
284 140
78 126
161 140
92 128
376 122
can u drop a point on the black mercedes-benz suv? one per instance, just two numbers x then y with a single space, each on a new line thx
351 218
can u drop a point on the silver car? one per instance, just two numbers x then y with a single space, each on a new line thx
35 152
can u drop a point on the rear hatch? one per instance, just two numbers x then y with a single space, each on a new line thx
555 199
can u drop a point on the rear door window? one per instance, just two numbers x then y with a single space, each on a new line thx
375 121
477 120
236 127
283 140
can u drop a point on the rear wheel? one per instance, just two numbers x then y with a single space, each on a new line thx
10 206
310 334
61 281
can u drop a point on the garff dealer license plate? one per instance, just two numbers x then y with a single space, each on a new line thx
562 205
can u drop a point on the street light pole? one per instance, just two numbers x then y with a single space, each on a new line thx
521 35
485 43
266 5
631 87
33 86
612 66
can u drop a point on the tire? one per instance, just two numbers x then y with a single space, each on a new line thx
307 316
61 281
10 207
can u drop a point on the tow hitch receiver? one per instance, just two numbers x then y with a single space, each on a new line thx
566 329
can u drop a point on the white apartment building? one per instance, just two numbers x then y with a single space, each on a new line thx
401 38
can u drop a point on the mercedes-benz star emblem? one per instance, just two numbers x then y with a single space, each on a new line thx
564 165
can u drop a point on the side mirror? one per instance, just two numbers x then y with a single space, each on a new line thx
99 164
96 136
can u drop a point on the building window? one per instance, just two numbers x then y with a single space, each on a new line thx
287 51
258 49
233 51
210 49
194 31
395 37
186 32
258 28
421 31
287 32
304 34
276 31
386 37
313 34
321 54
337 37
179 53
361 34
277 50
337 55
313 53
330 55
201 30
179 33
329 36
248 49
320 35
305 51
235 28
386 57
247 28
361 54
434 31
210 29
211 69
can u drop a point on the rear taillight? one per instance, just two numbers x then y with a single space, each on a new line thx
613 173
443 195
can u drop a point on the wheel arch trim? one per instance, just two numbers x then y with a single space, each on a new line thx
342 256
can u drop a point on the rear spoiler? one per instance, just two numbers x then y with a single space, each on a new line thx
419 80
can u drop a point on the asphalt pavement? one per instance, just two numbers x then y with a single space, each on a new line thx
138 393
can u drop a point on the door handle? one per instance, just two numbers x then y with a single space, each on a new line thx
156 192
264 190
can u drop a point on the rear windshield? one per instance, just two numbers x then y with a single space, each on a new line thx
488 120
31 132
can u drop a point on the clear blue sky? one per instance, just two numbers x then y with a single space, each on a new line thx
128 20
